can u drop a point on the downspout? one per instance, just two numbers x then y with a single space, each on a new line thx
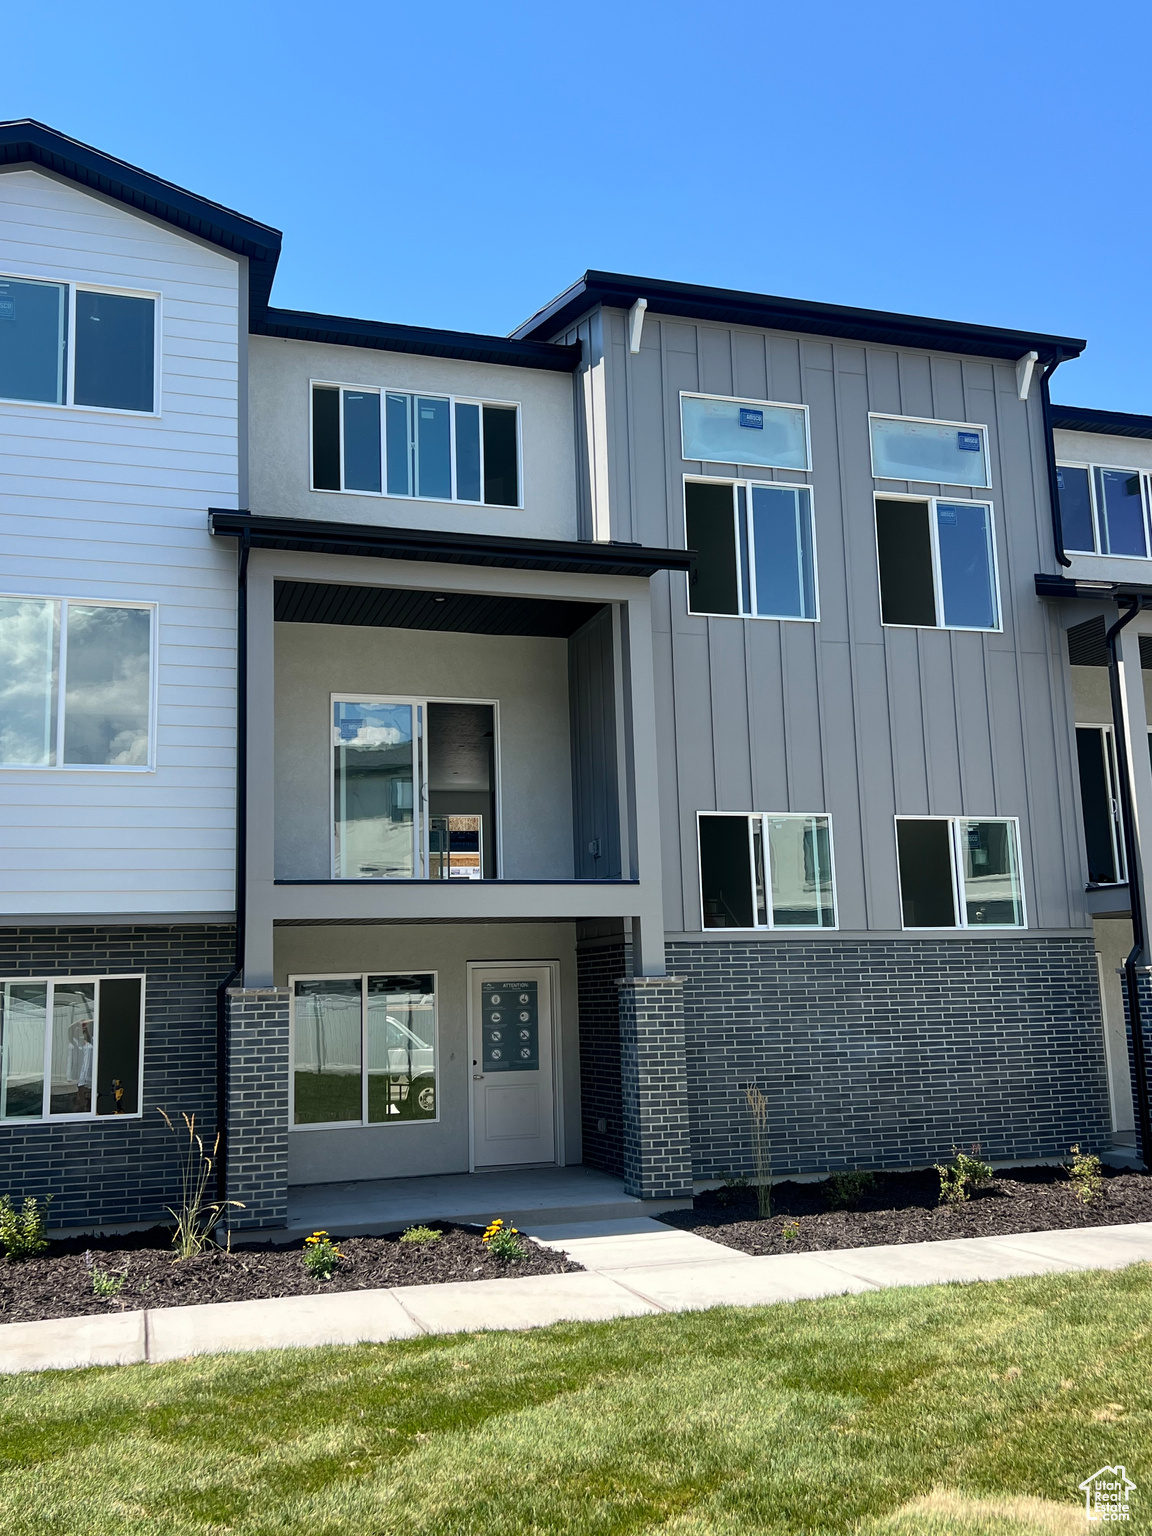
1135 883
1050 456
241 864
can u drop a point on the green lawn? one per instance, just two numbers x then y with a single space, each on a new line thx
898 1413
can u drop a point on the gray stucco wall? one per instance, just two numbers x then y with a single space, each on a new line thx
846 716
280 373
528 676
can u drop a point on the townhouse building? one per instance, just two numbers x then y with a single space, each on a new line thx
427 752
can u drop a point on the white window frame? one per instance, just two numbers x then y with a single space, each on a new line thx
363 1123
84 1115
62 684
420 830
1119 859
954 854
428 394
747 486
1097 512
772 405
934 421
937 583
73 286
764 817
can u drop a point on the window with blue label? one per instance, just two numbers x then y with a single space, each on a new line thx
960 872
937 563
1104 511
934 452
717 429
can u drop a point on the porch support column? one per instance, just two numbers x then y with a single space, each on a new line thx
260 862
641 811
654 1088
257 1106
1139 762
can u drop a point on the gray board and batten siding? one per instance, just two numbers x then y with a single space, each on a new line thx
843 716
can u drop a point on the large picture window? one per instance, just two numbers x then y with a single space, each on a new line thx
937 563
75 683
68 344
959 872
755 549
1104 511
717 429
766 871
70 1049
939 452
434 447
363 1049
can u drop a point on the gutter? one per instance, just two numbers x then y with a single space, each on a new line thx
1050 459
241 867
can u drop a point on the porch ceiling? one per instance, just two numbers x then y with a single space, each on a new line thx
315 602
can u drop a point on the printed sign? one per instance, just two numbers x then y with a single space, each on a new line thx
752 418
510 1022
970 441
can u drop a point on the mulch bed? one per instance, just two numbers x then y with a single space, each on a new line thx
59 1283
905 1208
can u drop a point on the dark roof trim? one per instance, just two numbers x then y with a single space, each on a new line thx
27 142
1099 591
1081 418
298 325
447 548
730 307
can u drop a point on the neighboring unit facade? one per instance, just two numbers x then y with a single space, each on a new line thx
468 752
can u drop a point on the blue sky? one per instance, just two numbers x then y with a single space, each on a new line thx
458 165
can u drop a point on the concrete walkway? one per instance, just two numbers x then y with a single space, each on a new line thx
633 1267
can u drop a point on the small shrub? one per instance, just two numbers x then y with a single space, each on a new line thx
421 1235
790 1231
22 1232
962 1175
842 1190
321 1257
733 1189
106 1283
761 1148
1085 1175
503 1241
198 1216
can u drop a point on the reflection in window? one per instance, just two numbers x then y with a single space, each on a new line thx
959 872
937 564
766 871
400 1019
744 432
939 452
754 549
90 1033
326 1052
1120 503
375 767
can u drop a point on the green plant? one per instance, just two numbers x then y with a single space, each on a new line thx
321 1257
761 1150
22 1232
105 1282
790 1231
962 1175
842 1190
197 1216
421 1235
1085 1175
503 1241
732 1189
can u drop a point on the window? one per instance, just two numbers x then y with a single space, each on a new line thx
718 430
755 551
937 563
111 364
1100 804
766 871
1104 511
430 446
363 1049
71 1049
956 872
75 683
940 452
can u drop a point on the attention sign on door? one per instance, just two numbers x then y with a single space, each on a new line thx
511 1024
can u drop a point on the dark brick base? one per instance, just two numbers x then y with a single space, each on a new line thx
258 1024
1144 982
599 966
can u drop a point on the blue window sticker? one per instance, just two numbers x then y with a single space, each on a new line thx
749 418
946 515
7 306
970 441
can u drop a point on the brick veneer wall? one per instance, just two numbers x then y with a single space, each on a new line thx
121 1170
885 1052
1144 982
599 966
257 1077
654 1088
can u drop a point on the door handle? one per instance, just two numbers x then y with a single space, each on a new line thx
477 1077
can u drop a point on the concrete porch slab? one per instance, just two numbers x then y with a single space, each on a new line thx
527 1197
612 1245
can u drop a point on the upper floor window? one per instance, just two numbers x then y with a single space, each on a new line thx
766 871
1100 804
717 429
939 452
755 551
937 563
69 344
434 447
1104 511
75 683
958 872
71 1048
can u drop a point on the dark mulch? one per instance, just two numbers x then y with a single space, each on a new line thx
905 1208
59 1284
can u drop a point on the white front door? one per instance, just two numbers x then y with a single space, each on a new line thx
512 1114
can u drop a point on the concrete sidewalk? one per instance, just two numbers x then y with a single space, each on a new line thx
632 1268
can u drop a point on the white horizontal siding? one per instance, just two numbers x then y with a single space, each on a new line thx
104 505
